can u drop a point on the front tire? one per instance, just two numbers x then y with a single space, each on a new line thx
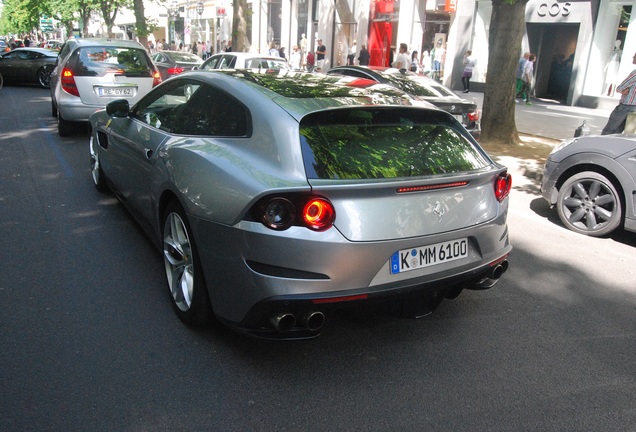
589 204
44 77
183 268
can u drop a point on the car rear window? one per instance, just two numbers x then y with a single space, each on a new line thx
99 61
385 143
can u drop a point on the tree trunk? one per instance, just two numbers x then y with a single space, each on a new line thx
507 26
239 26
141 28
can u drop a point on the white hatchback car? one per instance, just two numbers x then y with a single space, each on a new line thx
89 73
242 60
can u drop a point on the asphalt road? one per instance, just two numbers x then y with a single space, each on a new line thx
89 341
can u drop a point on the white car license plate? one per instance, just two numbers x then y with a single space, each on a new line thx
117 91
424 256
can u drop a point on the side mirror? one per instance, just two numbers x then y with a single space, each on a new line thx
118 108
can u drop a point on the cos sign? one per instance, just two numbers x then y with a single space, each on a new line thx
554 9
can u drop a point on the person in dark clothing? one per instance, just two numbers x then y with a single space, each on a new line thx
364 56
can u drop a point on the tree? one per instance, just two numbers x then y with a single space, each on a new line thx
507 26
109 10
141 25
22 16
239 25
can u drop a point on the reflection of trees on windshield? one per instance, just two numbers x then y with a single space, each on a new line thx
303 85
387 150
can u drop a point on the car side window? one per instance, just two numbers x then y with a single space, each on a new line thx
213 112
161 109
188 107
212 62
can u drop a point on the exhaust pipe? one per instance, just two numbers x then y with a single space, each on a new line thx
283 322
314 320
498 270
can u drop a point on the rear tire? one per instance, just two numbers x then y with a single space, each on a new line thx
64 127
183 268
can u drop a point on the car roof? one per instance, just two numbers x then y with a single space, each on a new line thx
247 55
48 52
107 42
300 93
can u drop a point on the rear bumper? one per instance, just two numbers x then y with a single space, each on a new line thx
412 301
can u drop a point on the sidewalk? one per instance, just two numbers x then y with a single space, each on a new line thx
550 119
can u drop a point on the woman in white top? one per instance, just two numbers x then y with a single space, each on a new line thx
469 64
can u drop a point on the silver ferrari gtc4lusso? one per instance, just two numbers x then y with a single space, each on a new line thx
277 198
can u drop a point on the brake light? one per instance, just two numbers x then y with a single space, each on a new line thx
280 213
503 184
318 214
156 78
68 82
473 116
175 70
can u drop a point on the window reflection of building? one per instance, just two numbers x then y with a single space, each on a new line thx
613 65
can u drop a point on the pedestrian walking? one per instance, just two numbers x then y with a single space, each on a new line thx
469 65
352 54
520 66
528 71
618 117
364 56
321 51
402 59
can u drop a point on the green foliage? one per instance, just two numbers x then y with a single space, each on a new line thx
22 16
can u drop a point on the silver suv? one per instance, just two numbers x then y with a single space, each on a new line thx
89 73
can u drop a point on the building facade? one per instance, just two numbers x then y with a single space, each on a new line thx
584 48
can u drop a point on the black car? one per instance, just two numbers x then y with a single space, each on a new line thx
171 63
419 87
28 65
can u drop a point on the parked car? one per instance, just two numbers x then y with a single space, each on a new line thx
28 66
3 46
592 181
89 73
241 60
53 44
420 87
171 63
296 194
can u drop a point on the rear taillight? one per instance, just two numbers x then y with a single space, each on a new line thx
156 78
318 214
175 70
503 184
68 82
278 214
315 213
473 116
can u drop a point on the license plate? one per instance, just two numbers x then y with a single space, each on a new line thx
425 256
116 91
